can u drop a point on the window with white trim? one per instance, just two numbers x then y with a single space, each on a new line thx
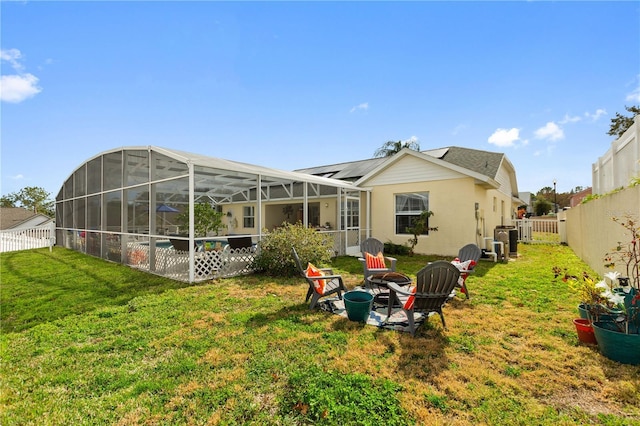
248 216
352 213
409 206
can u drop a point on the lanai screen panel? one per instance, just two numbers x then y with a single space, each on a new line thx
223 186
122 205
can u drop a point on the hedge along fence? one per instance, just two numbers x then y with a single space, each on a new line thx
591 232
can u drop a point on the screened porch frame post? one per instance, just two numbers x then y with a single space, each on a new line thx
192 184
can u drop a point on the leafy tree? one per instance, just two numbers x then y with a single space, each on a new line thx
32 198
545 192
620 123
542 207
6 201
391 147
206 219
418 227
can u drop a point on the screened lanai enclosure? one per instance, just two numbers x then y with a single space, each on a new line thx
137 206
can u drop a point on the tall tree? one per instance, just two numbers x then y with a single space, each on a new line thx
391 147
620 123
33 198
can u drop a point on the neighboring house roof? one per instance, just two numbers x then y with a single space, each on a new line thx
14 217
470 161
579 196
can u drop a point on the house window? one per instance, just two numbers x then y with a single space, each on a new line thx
352 213
248 216
408 209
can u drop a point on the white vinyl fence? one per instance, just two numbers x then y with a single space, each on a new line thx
28 238
538 230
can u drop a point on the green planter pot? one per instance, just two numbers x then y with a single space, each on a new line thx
583 310
615 345
358 305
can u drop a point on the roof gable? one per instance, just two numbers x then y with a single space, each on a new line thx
406 169
465 160
438 172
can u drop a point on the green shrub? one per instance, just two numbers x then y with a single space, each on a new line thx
391 248
274 255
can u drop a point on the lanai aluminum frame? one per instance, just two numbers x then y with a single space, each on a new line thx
109 204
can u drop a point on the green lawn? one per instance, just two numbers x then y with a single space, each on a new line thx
89 342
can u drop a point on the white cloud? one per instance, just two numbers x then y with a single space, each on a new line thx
634 96
363 106
12 56
569 119
17 177
596 115
504 137
550 131
458 129
17 87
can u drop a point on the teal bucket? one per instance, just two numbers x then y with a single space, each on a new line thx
358 305
583 310
621 347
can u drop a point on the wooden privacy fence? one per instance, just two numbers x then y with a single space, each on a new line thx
28 238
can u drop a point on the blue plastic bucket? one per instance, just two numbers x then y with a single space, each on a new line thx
358 305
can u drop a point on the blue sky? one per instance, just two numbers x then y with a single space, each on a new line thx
298 84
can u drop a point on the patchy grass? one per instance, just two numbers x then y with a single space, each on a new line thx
139 349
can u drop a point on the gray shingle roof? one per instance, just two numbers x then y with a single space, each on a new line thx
483 162
13 216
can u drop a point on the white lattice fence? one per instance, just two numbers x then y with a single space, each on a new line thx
237 262
212 264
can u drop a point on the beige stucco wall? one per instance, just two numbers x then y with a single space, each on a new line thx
273 216
590 231
451 201
495 209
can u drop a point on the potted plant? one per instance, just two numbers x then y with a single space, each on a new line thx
206 220
589 295
585 288
617 316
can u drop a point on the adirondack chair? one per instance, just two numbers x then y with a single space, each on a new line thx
468 258
371 264
322 282
434 284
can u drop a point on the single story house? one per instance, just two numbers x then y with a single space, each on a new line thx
470 192
16 218
123 205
